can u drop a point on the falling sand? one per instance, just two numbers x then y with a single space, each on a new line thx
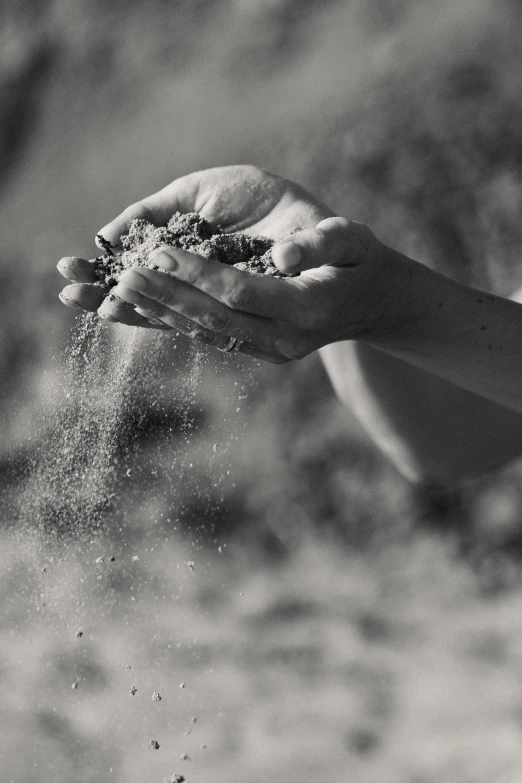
70 483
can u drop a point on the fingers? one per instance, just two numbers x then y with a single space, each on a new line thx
157 209
240 291
162 296
215 340
333 241
79 270
114 309
86 296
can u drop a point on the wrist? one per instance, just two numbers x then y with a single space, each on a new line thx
400 298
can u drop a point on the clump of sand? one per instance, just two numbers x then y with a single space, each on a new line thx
189 231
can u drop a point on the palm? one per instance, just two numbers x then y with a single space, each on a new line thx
249 199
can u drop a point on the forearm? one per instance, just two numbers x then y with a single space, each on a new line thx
431 429
430 394
460 334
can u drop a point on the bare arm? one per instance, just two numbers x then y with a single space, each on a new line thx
432 429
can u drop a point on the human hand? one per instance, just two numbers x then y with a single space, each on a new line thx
236 198
350 286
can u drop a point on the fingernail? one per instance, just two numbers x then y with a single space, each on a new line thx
69 302
289 254
164 259
103 243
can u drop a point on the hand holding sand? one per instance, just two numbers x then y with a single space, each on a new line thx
347 286
233 199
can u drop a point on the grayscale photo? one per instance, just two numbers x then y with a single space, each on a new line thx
261 391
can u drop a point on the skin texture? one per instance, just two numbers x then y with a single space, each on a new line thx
375 314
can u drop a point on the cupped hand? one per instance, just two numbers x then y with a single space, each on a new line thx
343 288
348 288
235 198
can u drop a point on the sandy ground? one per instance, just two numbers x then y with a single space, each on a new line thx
330 665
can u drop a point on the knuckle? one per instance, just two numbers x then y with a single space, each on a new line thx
164 296
138 210
164 293
193 275
156 309
237 296
216 321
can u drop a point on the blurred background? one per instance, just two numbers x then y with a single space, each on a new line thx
327 620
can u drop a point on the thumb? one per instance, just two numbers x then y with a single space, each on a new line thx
334 241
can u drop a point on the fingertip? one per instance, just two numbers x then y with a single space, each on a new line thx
113 308
287 256
77 269
108 237
88 296
66 299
